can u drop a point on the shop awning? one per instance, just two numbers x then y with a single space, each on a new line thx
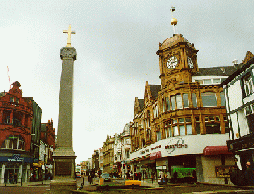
216 150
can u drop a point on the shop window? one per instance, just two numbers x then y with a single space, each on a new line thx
169 132
158 135
194 100
207 81
168 103
209 99
197 119
17 100
173 102
188 120
179 102
185 101
181 120
223 99
217 118
206 119
216 81
189 129
182 130
163 105
176 132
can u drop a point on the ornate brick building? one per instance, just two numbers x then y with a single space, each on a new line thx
16 117
181 125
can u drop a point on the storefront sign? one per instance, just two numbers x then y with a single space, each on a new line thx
171 147
15 158
159 146
176 146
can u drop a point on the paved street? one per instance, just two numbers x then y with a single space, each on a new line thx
26 188
39 188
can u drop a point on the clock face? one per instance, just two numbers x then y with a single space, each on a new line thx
172 62
190 63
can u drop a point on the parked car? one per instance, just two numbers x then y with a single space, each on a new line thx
106 177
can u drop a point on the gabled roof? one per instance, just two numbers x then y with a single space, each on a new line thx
243 68
154 90
218 71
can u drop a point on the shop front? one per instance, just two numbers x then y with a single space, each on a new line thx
14 168
183 159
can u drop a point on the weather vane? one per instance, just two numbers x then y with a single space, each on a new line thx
69 32
173 20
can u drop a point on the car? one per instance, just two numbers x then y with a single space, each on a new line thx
106 177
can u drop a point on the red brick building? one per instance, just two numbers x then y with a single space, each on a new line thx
17 122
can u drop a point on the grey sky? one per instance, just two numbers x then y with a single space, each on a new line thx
116 43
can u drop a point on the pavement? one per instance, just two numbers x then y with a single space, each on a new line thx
146 182
44 183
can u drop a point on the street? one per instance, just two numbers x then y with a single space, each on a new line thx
39 188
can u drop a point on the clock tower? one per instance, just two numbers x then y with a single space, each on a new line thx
177 60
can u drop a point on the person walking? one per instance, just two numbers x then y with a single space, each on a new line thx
249 174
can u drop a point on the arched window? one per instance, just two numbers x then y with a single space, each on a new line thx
14 142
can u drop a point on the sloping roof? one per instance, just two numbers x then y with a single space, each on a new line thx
141 103
219 71
243 67
169 42
154 90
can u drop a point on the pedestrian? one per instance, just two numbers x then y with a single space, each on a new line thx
152 177
90 179
249 174
175 177
139 176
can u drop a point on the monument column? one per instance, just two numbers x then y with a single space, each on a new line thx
64 156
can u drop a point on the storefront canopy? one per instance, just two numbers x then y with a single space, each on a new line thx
215 150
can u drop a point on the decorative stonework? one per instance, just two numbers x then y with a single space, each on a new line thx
68 52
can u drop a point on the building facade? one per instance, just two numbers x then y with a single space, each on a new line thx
16 118
108 154
239 91
181 127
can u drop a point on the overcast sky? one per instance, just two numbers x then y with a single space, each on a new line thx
116 43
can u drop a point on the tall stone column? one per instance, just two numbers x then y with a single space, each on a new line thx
64 156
